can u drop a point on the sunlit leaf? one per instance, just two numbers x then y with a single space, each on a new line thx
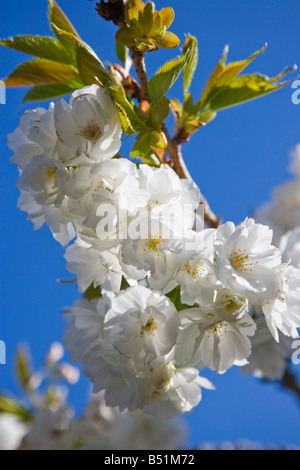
39 46
47 92
165 77
246 88
59 19
23 366
41 72
90 67
224 74
190 45
11 406
159 111
122 52
142 145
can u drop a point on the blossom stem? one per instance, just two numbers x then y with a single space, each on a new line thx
138 58
174 150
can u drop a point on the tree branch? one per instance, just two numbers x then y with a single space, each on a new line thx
174 150
138 59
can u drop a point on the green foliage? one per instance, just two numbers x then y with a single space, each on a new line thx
191 49
23 366
65 63
165 78
11 406
39 46
226 87
122 52
246 88
59 19
48 92
41 72
143 150
92 293
174 296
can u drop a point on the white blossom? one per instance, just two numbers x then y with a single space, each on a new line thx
12 431
290 247
50 430
84 327
282 312
142 325
214 341
35 136
92 266
245 260
268 359
88 127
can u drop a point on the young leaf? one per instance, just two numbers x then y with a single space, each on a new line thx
39 46
11 406
224 74
190 46
68 41
246 88
132 121
159 111
41 72
122 52
90 67
165 77
47 92
59 19
23 366
142 145
92 293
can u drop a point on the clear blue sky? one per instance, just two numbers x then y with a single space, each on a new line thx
236 160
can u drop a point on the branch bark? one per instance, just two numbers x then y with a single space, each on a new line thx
174 150
138 59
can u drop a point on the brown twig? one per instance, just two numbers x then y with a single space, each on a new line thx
138 59
174 150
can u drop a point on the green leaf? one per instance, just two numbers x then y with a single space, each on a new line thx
190 47
39 46
174 296
131 119
48 92
223 75
59 19
142 149
142 145
11 406
160 111
90 67
92 293
122 52
41 72
68 41
165 77
23 366
246 88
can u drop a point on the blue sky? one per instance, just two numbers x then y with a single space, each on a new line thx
236 160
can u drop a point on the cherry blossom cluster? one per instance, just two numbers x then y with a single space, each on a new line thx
175 297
